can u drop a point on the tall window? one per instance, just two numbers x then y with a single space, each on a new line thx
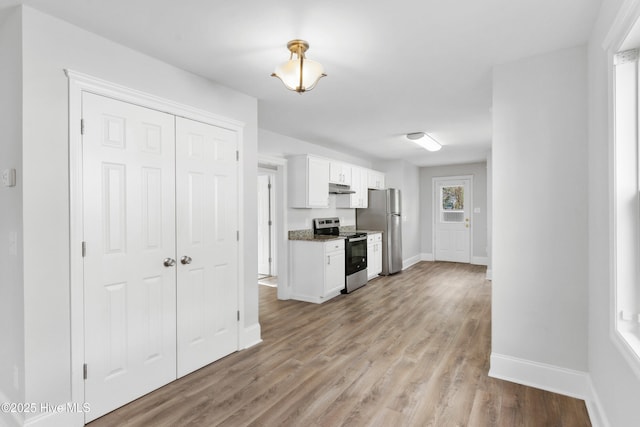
627 205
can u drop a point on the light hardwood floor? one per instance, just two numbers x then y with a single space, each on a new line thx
406 350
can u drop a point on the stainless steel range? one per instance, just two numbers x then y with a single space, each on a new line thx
355 251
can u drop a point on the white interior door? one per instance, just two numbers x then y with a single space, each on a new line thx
207 218
129 229
264 225
452 208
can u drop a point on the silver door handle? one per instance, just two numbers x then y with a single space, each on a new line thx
186 260
169 262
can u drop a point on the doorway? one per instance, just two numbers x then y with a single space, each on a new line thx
160 201
452 201
267 270
276 168
123 206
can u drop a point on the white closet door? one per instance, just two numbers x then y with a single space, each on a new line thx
207 218
129 229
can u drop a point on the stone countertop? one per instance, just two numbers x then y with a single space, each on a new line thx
307 235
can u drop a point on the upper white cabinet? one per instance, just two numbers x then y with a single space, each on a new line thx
375 180
359 199
340 173
309 178
308 182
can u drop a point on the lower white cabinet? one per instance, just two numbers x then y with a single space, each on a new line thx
317 269
374 255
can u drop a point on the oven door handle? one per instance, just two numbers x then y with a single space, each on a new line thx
357 239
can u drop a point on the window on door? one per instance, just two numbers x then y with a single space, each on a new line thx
452 203
626 314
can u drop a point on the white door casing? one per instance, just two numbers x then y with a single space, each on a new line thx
452 219
129 229
207 243
79 84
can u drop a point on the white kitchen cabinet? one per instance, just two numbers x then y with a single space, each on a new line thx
374 255
340 173
360 198
375 180
317 269
308 182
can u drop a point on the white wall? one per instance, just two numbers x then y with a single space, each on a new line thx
540 264
406 177
616 386
11 262
51 45
478 220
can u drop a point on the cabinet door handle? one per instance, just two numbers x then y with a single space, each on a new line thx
169 262
186 260
328 260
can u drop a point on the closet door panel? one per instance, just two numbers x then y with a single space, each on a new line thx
129 229
207 224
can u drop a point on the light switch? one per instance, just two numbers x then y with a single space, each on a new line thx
9 178
476 210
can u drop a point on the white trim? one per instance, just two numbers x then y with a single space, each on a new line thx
122 93
55 419
480 260
622 24
79 83
541 375
595 409
426 257
282 235
251 336
406 263
435 204
489 274
626 18
9 419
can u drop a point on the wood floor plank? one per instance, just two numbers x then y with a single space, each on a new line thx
410 349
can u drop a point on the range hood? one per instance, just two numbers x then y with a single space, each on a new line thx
340 189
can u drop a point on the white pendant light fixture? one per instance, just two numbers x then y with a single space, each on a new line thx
299 74
424 140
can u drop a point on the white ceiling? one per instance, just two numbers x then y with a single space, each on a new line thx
393 66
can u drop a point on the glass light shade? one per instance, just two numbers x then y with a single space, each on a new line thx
425 141
289 74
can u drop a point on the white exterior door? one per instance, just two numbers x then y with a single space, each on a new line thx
452 208
129 229
207 218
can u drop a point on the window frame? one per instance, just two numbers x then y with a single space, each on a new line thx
625 204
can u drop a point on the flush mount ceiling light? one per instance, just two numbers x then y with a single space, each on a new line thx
299 74
424 140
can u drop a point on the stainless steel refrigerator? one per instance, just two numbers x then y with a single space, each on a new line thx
384 214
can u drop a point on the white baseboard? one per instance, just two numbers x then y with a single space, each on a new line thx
9 419
427 257
251 336
480 260
594 408
406 263
540 375
477 260
56 419
489 274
